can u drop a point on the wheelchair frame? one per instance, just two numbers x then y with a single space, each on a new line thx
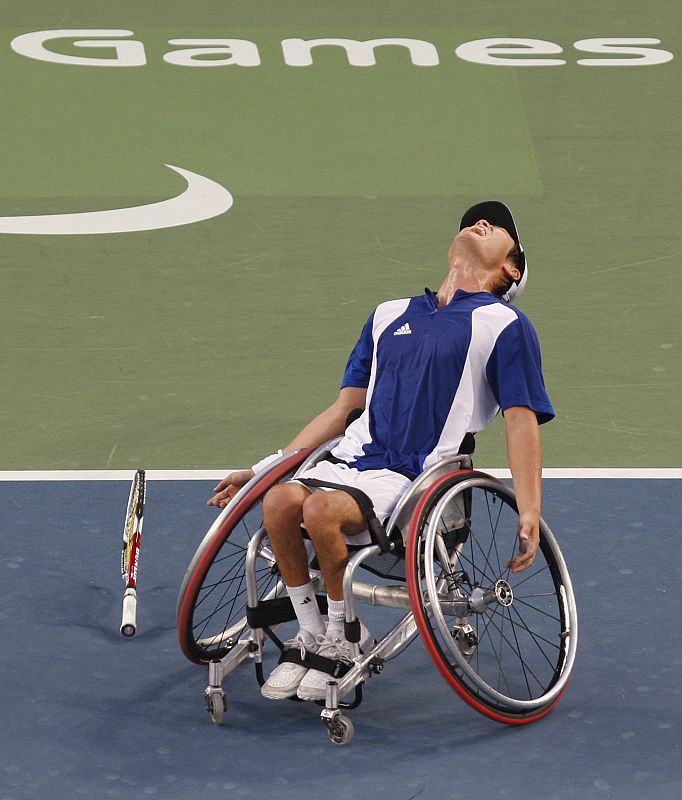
436 600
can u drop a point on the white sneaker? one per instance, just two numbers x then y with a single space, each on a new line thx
313 686
286 677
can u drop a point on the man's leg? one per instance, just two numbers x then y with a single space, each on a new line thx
327 516
282 516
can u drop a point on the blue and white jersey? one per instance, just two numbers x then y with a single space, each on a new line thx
435 374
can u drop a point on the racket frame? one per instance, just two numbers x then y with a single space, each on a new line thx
130 552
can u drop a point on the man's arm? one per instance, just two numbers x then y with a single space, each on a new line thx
524 452
331 422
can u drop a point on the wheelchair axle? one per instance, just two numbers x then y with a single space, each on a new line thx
480 599
478 602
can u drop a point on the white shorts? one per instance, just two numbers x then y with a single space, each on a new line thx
383 487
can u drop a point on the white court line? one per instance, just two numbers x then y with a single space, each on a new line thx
598 472
113 475
212 474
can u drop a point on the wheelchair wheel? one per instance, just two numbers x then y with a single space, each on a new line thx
212 600
505 642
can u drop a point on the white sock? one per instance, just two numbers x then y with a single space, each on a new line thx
306 608
337 616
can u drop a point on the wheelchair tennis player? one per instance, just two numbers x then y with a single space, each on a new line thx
426 371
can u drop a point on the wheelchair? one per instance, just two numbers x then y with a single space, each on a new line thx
505 642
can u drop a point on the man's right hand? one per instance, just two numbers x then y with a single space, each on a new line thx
229 486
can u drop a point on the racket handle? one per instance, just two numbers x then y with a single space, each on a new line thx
129 618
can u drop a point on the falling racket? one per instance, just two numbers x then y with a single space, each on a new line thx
130 552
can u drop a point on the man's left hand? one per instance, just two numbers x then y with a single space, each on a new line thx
529 539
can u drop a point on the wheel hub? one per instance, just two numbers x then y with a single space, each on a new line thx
503 593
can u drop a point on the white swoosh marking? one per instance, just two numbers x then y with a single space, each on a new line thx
202 199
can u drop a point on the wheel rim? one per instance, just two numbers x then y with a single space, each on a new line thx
504 641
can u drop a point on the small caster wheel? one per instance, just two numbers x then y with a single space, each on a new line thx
340 729
216 705
466 639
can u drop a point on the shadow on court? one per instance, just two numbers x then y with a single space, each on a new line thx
87 713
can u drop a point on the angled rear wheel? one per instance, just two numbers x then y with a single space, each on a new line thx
504 641
211 611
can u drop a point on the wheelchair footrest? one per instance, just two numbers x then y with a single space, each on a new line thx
277 611
337 669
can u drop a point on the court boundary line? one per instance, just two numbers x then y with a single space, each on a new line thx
211 474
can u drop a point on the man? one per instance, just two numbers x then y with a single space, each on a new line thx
426 371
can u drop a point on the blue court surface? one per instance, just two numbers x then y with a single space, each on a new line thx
86 713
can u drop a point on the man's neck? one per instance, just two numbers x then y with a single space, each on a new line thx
464 279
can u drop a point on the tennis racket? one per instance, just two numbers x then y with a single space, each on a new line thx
130 552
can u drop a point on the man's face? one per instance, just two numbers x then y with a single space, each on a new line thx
489 244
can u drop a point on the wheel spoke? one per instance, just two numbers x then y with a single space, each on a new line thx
487 563
229 546
205 620
228 579
515 586
518 647
539 610
497 656
526 666
264 576
536 637
211 587
470 560
493 530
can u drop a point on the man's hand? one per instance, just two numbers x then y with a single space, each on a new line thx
529 539
229 486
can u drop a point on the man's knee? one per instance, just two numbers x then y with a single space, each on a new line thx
283 502
330 512
316 511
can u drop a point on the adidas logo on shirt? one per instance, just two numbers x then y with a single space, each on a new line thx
403 330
